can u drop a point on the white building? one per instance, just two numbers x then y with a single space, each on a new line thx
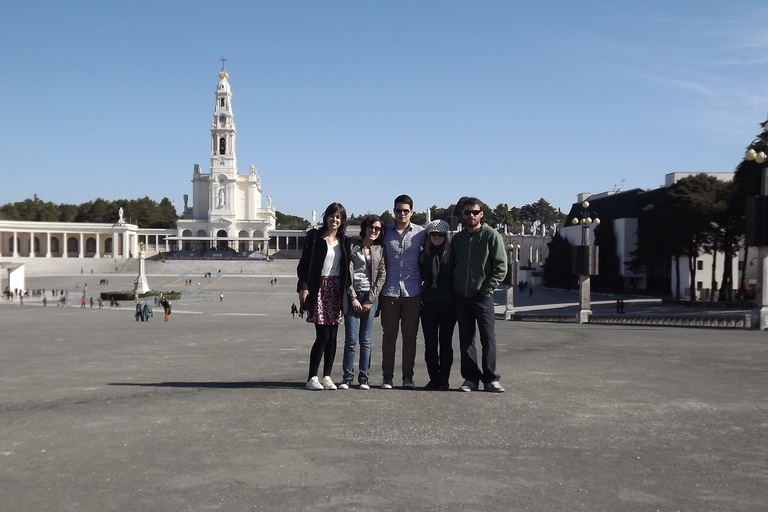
226 213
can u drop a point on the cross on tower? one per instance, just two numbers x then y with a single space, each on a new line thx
223 60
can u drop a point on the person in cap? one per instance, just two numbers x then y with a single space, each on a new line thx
438 313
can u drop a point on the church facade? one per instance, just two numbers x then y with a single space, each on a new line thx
226 217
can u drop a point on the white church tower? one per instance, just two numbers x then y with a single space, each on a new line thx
226 212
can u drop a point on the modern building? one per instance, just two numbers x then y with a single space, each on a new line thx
622 208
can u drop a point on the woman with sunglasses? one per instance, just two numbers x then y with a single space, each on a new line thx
323 281
367 276
438 313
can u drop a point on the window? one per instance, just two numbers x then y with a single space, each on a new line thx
222 102
222 146
699 265
699 285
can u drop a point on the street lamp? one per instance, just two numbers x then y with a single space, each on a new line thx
584 262
513 249
757 227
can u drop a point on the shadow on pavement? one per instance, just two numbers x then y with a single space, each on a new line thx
214 385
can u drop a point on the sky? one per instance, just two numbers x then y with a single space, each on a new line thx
359 101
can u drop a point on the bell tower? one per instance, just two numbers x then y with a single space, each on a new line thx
223 174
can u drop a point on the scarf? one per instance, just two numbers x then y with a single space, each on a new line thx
435 253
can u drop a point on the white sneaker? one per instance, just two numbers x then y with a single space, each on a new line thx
494 387
468 386
386 383
327 383
313 384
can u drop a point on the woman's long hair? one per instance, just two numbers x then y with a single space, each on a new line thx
368 220
434 262
443 256
332 209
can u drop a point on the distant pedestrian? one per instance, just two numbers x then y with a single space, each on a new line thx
166 307
618 306
530 291
82 302
294 310
622 306
146 312
91 301
221 296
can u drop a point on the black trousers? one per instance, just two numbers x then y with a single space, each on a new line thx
438 320
476 313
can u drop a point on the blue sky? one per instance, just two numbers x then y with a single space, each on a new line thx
359 101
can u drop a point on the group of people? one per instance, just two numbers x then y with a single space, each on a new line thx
407 275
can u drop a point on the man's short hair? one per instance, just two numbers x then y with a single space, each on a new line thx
473 201
404 199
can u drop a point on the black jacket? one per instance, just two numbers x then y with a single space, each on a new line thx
311 264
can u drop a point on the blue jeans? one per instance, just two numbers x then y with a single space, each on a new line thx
358 329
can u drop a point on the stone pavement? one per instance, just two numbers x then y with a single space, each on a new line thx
208 412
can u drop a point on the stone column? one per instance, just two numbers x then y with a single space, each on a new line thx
97 254
82 249
48 244
15 244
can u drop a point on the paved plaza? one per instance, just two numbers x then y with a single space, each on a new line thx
208 412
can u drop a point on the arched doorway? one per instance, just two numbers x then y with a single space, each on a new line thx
221 245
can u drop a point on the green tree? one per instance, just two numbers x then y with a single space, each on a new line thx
609 277
557 265
745 184
290 221
692 200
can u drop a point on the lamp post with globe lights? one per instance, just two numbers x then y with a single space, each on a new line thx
584 261
757 227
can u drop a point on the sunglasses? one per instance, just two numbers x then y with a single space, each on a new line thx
441 235
467 213
402 211
375 229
